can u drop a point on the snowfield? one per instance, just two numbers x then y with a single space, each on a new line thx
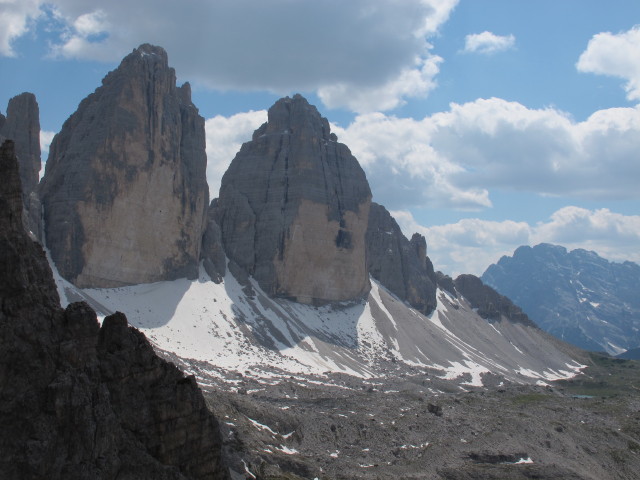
229 327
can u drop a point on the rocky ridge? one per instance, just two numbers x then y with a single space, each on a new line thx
82 401
125 192
399 264
576 296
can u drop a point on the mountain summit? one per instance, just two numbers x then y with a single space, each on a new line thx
577 296
125 190
294 207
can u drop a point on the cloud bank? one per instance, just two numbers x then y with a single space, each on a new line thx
454 159
471 245
359 54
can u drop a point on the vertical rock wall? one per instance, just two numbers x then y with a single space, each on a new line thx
125 192
294 207
399 264
22 125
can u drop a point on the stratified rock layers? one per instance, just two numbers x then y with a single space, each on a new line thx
125 193
294 207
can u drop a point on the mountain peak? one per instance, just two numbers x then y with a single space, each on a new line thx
294 206
125 191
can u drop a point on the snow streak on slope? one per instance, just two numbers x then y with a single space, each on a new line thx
239 328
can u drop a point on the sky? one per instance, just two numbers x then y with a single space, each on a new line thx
481 124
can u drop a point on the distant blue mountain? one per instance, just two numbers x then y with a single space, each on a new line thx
577 296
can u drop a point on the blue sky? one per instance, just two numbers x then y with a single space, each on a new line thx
483 124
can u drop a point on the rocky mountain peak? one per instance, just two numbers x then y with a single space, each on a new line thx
22 125
125 192
575 295
294 206
297 113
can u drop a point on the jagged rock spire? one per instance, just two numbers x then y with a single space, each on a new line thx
125 192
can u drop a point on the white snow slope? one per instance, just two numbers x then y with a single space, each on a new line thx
233 328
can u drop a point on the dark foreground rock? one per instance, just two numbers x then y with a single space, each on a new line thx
78 401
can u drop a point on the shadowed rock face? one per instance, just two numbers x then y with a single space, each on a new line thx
399 264
294 207
79 401
125 192
22 125
489 303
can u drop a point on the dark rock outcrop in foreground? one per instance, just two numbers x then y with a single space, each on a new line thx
79 401
294 207
577 296
399 264
125 193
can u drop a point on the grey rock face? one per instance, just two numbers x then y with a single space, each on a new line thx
489 303
576 296
212 253
399 264
80 401
22 125
125 192
294 207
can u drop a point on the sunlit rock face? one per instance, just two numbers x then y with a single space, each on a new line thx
294 206
125 193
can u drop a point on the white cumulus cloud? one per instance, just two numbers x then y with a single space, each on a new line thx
488 43
378 50
454 159
46 137
617 55
225 136
471 245
15 19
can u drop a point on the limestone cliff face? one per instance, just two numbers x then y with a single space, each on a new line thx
399 264
125 192
294 207
22 125
82 401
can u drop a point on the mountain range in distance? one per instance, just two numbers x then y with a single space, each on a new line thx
575 295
